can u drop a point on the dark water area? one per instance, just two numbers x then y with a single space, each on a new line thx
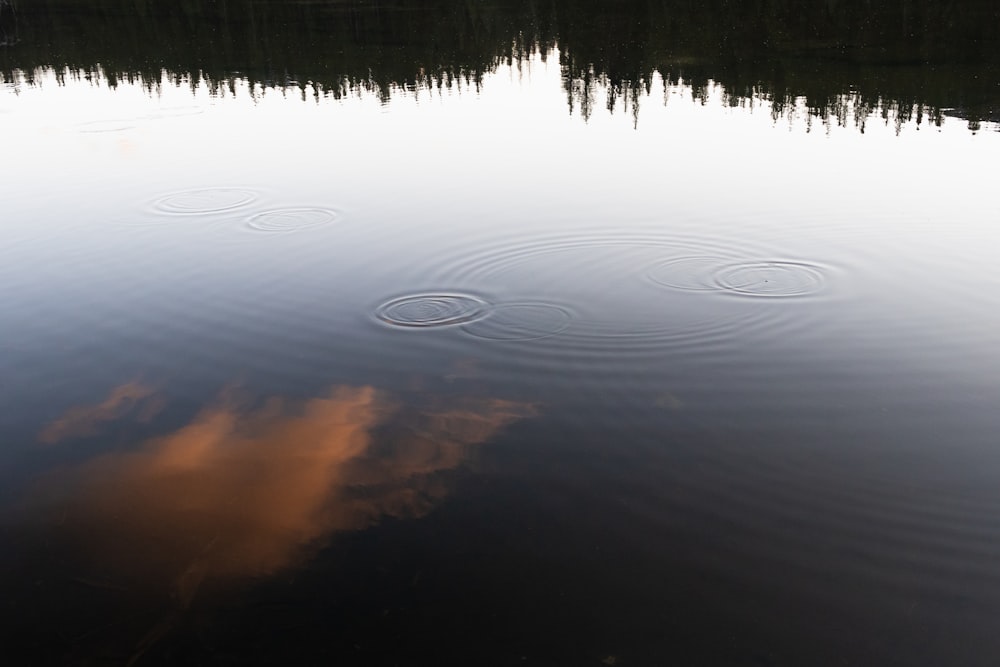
621 333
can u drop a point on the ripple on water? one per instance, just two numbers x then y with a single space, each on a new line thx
432 310
123 124
771 278
102 126
756 278
590 258
204 201
598 278
521 321
286 220
693 331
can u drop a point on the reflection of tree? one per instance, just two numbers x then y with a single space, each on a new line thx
902 58
337 48
8 23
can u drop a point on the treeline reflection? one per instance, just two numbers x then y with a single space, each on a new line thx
908 59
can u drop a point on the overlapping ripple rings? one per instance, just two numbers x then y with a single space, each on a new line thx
694 273
506 254
746 277
287 220
593 289
521 321
432 310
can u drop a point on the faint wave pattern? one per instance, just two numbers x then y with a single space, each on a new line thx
508 254
109 125
205 201
693 273
432 310
287 220
947 536
611 346
123 124
521 321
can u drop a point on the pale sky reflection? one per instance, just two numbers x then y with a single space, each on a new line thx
245 493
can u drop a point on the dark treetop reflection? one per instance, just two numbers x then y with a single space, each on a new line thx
901 58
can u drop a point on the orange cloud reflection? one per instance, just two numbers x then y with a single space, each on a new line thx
238 493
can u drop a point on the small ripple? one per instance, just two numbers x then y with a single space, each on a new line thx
286 220
205 201
771 278
122 124
521 321
103 126
432 310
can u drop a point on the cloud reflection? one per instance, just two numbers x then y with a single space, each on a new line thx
247 492
123 400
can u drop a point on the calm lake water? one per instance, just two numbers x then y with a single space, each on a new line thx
537 333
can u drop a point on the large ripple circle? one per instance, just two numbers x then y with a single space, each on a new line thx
432 310
771 279
205 201
284 220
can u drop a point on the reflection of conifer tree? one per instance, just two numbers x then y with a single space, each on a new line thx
905 58
8 23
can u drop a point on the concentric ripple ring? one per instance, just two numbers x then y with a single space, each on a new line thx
285 220
771 279
432 310
205 201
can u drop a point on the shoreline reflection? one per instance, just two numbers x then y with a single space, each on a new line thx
905 63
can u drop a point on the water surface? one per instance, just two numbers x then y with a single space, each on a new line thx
465 334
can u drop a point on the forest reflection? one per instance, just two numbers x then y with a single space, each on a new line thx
901 59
